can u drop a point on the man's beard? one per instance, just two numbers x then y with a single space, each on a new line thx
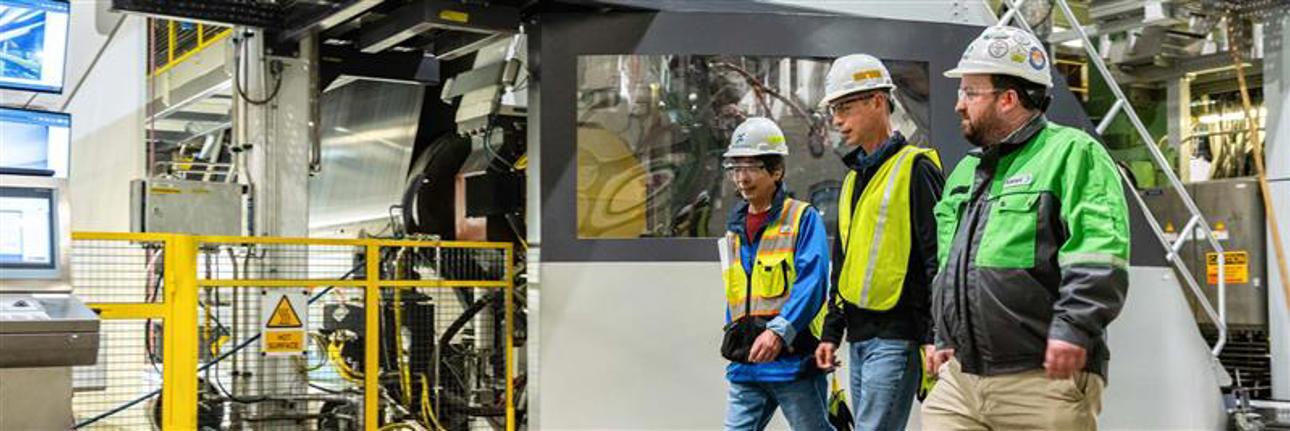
977 131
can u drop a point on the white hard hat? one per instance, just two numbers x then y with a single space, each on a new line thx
855 73
757 136
1003 50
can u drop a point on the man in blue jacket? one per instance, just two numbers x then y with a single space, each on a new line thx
775 263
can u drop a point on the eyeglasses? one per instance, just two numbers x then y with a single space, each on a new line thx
842 108
734 169
965 93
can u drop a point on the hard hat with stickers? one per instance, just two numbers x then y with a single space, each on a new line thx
1002 50
757 136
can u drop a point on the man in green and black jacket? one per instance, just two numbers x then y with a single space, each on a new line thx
1033 246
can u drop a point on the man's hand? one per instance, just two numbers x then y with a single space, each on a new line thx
938 358
929 351
1063 359
824 357
766 348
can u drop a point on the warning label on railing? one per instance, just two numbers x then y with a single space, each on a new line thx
284 313
1236 267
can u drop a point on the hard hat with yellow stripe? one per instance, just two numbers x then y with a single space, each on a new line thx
855 73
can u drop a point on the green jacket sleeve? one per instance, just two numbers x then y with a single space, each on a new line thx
1094 258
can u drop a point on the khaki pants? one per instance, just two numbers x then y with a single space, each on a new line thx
1022 401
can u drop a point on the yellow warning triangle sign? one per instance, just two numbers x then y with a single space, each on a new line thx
284 316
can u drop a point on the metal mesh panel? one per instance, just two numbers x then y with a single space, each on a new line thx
280 261
210 32
120 385
321 389
159 41
452 355
185 37
121 381
446 345
443 347
118 271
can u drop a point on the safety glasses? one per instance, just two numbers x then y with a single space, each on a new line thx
843 107
735 168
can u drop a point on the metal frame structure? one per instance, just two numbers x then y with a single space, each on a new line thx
172 43
1123 106
179 310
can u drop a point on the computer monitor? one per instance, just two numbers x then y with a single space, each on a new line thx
28 230
35 142
35 234
33 44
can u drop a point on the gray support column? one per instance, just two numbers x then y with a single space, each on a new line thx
272 98
1276 97
533 211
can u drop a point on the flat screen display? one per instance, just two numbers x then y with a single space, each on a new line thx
27 228
35 141
33 44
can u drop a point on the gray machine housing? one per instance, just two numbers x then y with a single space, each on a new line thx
1234 208
44 328
188 207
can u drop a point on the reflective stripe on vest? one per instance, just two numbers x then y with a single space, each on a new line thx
773 271
876 234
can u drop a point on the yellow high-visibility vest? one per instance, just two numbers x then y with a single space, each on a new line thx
773 271
876 234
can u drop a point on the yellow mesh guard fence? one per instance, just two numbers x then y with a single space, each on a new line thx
392 334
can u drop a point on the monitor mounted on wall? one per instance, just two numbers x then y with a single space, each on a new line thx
33 44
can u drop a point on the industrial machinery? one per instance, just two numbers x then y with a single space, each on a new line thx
399 157
426 131
1233 207
44 328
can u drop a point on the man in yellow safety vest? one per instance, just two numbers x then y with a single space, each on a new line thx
885 252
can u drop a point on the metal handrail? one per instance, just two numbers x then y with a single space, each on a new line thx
1123 106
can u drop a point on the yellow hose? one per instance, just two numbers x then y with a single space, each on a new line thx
342 368
425 404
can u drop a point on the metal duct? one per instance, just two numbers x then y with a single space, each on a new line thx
368 131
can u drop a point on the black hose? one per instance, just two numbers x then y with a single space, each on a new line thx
466 315
409 194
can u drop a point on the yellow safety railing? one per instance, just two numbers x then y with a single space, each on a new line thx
179 305
175 53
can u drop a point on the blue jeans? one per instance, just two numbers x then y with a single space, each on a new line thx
884 378
750 406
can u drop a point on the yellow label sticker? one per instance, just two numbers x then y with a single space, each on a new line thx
164 191
284 341
454 16
866 74
284 316
1236 267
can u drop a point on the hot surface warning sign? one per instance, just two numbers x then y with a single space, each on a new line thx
284 314
1236 267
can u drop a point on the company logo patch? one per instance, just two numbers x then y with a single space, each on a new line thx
1018 54
1021 38
1037 59
1018 181
998 49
